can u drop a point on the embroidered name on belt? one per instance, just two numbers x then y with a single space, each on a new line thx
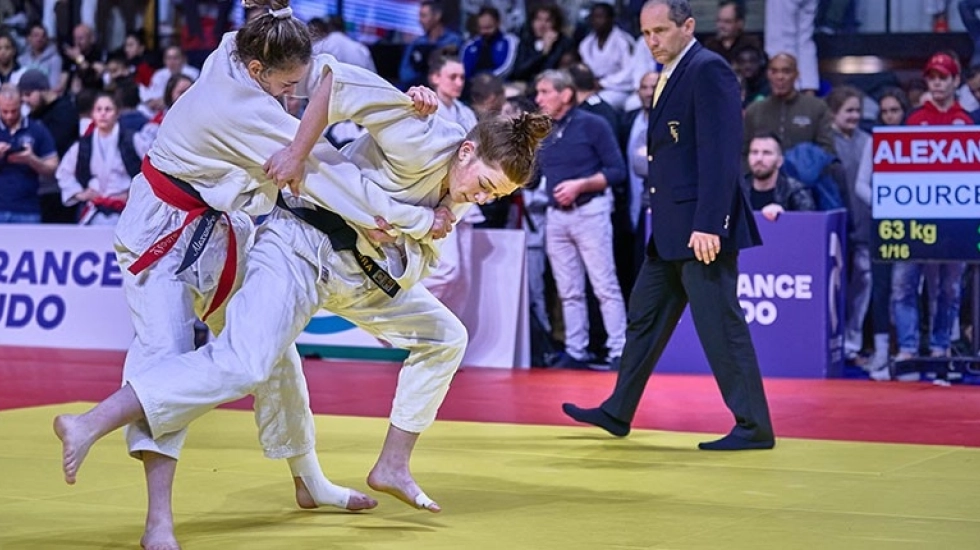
380 277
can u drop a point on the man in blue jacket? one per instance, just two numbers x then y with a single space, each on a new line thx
700 222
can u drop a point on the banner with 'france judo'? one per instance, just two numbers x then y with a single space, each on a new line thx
60 286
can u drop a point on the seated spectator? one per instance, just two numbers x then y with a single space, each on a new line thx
41 54
335 42
769 189
97 171
730 37
10 69
749 63
26 153
127 99
414 68
608 51
542 48
492 50
174 62
796 118
487 95
137 61
59 115
85 61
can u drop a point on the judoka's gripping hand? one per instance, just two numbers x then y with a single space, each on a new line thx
442 223
382 234
426 101
287 167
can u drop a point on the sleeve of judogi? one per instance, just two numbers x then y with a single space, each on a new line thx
65 174
412 144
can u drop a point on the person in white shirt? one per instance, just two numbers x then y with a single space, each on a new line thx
335 42
174 62
98 169
608 51
449 280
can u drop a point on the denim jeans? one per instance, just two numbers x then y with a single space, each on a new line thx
20 217
943 282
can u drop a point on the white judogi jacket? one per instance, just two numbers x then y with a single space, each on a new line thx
406 155
223 159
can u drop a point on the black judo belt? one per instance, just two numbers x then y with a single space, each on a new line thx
342 237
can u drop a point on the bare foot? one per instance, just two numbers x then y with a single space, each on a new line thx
75 443
402 486
159 538
356 500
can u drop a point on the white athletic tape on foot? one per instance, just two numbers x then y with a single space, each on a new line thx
423 501
307 468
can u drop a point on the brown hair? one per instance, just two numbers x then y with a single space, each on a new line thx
511 143
839 95
277 42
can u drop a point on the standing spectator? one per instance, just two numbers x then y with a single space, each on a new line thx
578 161
492 50
943 280
58 114
26 153
701 220
336 43
794 117
97 170
588 97
789 29
608 51
542 48
769 189
414 68
41 54
447 78
449 280
893 107
730 35
10 69
853 147
636 127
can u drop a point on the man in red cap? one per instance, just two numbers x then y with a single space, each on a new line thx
942 74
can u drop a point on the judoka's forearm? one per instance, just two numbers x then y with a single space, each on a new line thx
316 116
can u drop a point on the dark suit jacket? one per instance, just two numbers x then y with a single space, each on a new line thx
695 144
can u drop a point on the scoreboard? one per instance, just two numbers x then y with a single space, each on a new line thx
926 193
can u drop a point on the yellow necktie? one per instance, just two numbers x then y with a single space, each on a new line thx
661 83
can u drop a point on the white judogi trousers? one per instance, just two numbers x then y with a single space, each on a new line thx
789 29
164 307
292 271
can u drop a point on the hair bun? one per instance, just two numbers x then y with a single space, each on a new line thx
532 128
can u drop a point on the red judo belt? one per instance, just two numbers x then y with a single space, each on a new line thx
182 196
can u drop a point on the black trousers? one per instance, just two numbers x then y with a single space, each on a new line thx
662 290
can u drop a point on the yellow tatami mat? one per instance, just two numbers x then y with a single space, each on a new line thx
500 486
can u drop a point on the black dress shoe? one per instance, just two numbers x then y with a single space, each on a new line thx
734 443
597 417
